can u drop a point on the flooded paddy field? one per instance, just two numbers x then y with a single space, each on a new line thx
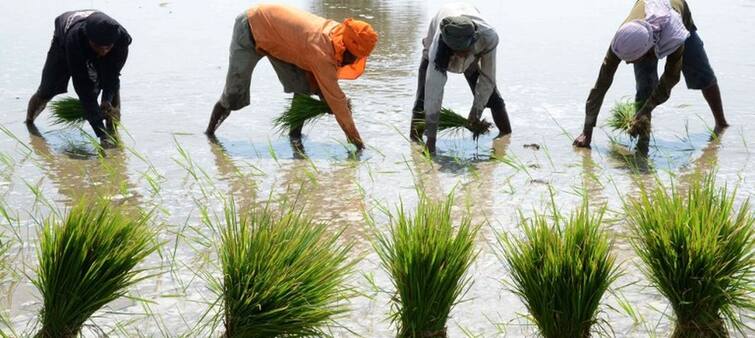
548 58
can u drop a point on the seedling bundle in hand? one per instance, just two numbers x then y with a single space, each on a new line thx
450 121
67 111
304 110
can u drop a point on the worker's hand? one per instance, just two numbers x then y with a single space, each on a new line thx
105 107
357 142
474 115
583 140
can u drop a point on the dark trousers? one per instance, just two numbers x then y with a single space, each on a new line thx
495 103
697 71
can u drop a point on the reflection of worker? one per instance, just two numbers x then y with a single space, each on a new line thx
655 29
309 54
91 48
458 41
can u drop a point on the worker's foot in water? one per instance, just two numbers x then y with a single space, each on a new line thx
35 107
219 114
415 129
719 129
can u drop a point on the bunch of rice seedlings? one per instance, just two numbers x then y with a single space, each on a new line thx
67 111
427 257
451 122
561 269
283 274
304 110
622 115
87 260
697 250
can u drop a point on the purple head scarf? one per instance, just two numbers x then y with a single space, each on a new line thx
662 29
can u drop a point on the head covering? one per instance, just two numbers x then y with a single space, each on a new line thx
458 32
633 40
359 39
662 29
101 29
669 31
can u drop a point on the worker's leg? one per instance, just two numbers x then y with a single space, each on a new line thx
646 79
243 58
55 77
698 74
294 80
418 111
495 102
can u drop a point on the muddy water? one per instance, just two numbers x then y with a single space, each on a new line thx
549 54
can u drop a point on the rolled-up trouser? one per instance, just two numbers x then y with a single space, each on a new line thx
697 71
243 59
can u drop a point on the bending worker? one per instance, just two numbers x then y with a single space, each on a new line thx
92 48
458 41
309 54
655 29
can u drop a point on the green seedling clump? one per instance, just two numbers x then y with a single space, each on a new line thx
698 251
427 257
560 269
622 115
451 122
87 260
304 110
67 111
284 275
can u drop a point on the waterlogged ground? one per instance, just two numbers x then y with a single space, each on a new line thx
549 54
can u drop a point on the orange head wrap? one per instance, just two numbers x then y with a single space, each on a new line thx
359 37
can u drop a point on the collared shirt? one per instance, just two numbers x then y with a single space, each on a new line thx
303 39
671 73
483 52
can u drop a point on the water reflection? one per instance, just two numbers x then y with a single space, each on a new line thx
241 185
332 195
81 171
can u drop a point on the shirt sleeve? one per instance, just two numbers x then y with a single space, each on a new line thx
435 81
598 92
83 84
486 81
327 80
111 72
671 76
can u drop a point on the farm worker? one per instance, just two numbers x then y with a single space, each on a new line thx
458 41
655 29
91 48
309 54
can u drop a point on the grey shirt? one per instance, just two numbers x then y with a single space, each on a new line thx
482 53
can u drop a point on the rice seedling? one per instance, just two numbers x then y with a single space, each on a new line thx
304 110
699 252
283 273
427 257
561 268
86 261
67 111
622 115
451 122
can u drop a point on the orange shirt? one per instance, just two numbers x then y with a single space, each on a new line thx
304 39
